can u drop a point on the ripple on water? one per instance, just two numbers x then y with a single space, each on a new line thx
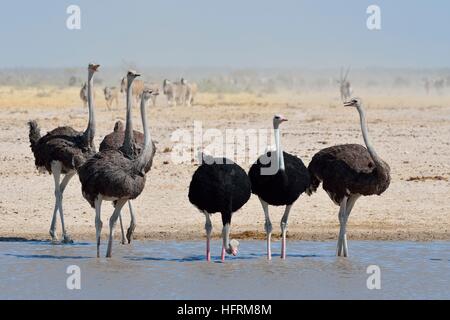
177 270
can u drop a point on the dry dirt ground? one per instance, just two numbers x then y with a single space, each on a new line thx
411 132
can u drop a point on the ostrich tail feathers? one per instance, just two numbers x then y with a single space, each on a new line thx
313 186
35 133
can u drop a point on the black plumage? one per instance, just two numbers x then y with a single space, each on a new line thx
284 187
278 178
221 187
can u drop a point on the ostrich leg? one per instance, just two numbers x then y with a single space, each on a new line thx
130 230
112 223
284 223
349 206
56 171
268 227
121 229
56 167
343 223
66 179
208 228
98 222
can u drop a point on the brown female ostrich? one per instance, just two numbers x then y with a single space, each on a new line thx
115 175
64 150
349 171
114 141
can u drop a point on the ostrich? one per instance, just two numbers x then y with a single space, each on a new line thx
219 185
114 141
349 171
115 175
62 151
278 183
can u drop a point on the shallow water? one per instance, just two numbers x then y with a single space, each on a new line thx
177 270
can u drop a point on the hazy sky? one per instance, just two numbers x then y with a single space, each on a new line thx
236 33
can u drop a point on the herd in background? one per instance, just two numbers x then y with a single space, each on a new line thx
177 93
117 172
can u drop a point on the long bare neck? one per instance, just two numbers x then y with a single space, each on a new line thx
279 151
147 152
90 130
365 133
128 141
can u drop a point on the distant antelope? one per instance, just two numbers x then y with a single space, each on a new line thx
345 86
187 92
84 94
111 95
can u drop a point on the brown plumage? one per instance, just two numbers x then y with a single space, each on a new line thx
118 175
114 141
64 144
62 151
347 172
348 169
112 175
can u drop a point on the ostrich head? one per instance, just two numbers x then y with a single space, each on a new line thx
277 120
183 81
148 93
131 75
355 102
93 67
233 247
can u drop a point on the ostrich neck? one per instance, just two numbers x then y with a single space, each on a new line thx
365 133
128 140
279 151
147 152
90 130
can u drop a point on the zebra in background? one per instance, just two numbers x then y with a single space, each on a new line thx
187 92
182 92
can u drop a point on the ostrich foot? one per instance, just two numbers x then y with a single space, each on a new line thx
130 232
54 237
67 239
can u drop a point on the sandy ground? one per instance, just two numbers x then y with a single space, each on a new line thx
411 132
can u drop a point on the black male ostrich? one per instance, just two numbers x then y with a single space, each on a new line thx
114 141
62 151
279 183
114 175
219 185
349 171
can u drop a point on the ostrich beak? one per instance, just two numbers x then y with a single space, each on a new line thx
283 119
349 104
